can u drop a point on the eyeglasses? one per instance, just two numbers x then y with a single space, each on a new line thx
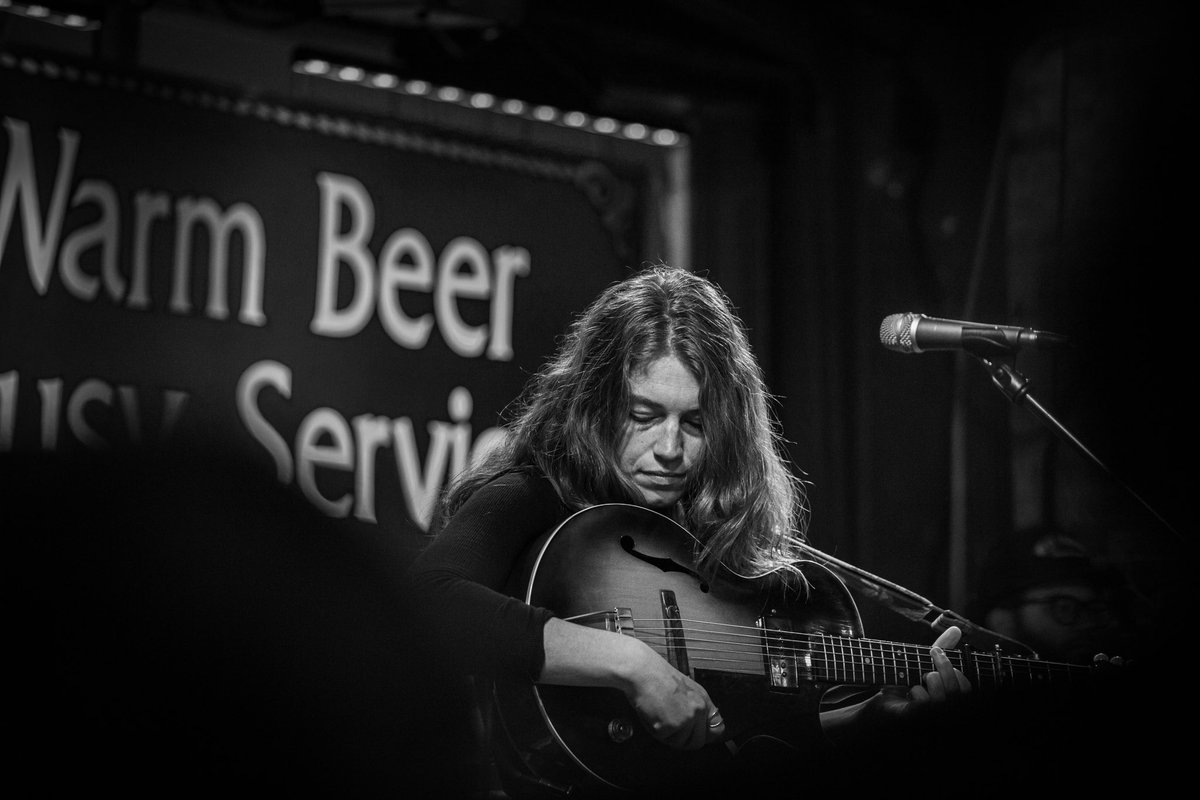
1068 610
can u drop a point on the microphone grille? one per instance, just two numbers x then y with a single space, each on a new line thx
895 332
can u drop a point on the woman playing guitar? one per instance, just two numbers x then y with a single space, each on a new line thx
655 400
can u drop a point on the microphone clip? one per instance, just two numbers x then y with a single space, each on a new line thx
987 343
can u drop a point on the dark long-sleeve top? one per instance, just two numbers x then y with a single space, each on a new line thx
462 574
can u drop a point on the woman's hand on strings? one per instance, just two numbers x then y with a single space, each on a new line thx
676 709
942 684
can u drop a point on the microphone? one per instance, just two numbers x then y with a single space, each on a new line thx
917 333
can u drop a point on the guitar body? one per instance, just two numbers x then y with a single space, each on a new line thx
629 570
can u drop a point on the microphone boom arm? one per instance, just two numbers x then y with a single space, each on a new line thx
1015 386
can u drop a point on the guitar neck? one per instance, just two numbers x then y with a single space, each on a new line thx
869 662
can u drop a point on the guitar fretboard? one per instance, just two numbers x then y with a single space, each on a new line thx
870 662
791 658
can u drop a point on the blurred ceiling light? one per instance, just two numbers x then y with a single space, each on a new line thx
310 66
482 100
635 130
384 81
60 14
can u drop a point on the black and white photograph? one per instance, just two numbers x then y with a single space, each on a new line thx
538 399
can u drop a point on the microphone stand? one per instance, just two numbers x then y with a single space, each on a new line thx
1015 386
984 346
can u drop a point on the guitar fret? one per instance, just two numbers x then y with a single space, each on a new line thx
844 660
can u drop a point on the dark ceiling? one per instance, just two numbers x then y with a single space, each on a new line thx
582 54
603 57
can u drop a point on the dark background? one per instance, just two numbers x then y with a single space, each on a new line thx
1021 163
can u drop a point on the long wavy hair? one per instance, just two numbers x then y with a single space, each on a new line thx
743 505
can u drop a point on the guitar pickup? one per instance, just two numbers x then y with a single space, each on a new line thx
788 665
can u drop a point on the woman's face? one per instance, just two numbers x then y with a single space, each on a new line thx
662 440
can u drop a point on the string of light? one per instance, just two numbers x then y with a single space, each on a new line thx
484 101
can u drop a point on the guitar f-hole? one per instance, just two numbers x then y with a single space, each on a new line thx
665 564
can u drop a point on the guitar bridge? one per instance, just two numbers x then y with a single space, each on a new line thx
618 619
788 665
677 654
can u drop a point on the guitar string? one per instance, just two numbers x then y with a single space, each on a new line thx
870 667
861 644
850 670
854 655
837 655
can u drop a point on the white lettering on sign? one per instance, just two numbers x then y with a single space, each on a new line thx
93 413
326 440
464 271
78 237
45 238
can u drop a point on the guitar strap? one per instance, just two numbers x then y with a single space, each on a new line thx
901 600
